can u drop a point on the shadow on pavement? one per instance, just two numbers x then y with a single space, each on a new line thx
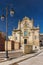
14 64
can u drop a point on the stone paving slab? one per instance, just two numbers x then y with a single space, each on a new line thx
11 51
17 60
14 64
11 54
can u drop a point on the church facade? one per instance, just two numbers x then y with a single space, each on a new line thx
25 34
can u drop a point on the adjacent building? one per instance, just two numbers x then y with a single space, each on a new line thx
2 41
41 39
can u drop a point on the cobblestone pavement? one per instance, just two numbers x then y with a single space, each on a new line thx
37 60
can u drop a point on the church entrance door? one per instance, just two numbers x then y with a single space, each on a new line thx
25 41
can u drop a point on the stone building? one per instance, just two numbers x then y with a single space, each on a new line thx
2 41
25 34
41 39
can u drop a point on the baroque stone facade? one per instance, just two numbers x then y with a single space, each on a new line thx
26 34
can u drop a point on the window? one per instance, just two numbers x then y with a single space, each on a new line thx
16 38
29 33
25 33
35 37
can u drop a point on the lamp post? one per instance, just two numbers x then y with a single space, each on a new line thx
2 18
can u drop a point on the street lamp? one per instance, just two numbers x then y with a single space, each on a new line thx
12 12
2 18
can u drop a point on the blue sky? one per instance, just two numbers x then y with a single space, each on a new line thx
29 8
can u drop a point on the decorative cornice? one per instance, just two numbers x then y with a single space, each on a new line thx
25 36
16 30
35 28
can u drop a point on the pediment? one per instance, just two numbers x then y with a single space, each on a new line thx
26 18
26 22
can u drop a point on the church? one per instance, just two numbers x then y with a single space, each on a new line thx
25 34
